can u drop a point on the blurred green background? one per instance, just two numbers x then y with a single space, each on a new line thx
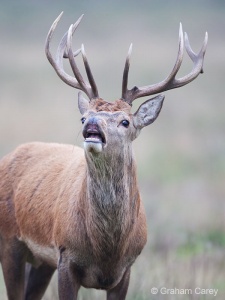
180 158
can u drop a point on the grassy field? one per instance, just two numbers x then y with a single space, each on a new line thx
180 158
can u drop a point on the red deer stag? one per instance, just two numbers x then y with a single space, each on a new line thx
79 211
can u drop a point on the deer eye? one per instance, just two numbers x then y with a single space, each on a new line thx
125 123
83 120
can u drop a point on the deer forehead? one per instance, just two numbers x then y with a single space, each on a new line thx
100 105
109 111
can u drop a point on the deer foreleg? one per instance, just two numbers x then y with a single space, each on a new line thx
68 285
38 281
119 292
13 256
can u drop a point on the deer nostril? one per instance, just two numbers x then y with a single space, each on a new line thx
92 128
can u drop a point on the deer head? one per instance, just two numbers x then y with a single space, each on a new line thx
111 126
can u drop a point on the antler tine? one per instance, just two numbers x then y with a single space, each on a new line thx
89 73
83 85
62 48
197 60
171 82
194 57
64 39
179 59
56 64
125 73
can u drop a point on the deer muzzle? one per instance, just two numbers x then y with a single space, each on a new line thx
94 137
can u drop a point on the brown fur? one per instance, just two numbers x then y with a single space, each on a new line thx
101 105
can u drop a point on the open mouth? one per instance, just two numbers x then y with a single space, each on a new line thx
94 136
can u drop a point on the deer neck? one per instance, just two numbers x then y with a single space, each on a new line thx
112 196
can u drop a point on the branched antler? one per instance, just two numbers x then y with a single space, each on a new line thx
65 51
171 82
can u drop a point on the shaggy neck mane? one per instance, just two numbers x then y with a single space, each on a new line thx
113 198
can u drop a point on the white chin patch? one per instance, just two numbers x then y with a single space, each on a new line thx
92 146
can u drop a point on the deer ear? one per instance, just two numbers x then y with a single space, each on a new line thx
148 112
83 104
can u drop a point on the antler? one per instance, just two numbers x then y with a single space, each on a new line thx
170 82
65 51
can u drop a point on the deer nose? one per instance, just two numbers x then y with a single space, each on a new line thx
92 125
92 121
92 129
